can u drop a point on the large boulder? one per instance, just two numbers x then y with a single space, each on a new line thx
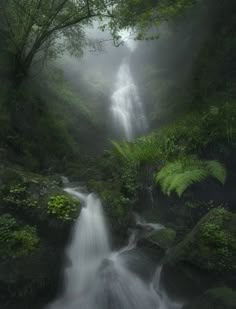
163 238
207 254
36 217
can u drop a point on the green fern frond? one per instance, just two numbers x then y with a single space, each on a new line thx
169 169
122 149
165 184
144 149
179 175
188 178
217 170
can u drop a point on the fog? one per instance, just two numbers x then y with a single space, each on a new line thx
162 69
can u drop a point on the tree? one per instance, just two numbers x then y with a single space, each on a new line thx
37 29
143 15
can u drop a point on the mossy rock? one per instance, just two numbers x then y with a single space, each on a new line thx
28 280
117 206
164 238
36 217
16 239
206 255
217 298
211 245
36 197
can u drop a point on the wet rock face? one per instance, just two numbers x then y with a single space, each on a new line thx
35 223
207 254
164 238
219 298
211 245
30 280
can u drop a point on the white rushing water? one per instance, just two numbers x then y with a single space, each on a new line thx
98 278
126 105
141 222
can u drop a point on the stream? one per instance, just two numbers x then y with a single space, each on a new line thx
99 278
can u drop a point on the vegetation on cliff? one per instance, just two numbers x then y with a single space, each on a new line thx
181 174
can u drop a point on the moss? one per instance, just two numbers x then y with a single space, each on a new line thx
216 298
211 245
16 240
28 196
226 296
30 256
118 205
63 207
17 196
164 237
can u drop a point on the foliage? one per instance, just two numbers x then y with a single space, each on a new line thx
211 245
194 133
214 74
34 28
164 237
63 207
16 240
48 130
117 202
144 15
129 182
39 29
144 149
179 175
17 196
213 234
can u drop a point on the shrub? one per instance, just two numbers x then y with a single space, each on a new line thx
16 240
17 196
63 207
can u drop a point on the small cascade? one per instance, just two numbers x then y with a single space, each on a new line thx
98 278
127 110
152 226
166 301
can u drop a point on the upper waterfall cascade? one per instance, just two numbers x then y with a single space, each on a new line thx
126 105
96 277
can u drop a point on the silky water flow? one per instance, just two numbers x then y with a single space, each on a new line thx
96 277
127 111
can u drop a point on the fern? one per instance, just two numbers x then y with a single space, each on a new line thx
179 175
122 150
144 149
217 170
188 178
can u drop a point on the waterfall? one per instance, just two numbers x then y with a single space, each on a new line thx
98 278
126 106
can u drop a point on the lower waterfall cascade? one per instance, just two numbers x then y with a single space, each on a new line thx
96 277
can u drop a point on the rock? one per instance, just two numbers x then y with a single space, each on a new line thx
164 238
206 254
211 245
31 279
36 217
218 298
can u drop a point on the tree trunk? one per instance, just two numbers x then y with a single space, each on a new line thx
19 73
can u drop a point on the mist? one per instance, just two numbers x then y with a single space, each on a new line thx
162 69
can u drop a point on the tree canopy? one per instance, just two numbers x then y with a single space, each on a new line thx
37 29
